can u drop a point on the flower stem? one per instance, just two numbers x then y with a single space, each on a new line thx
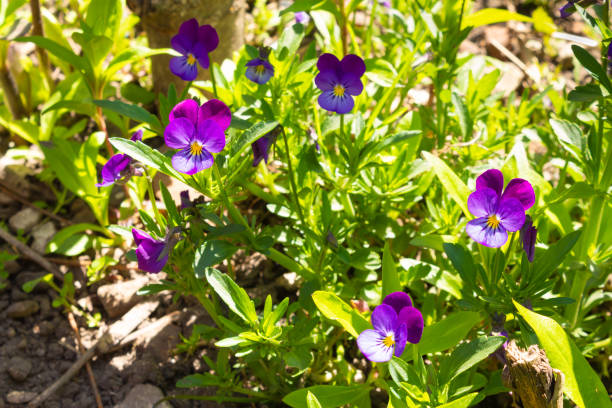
292 179
212 79
158 217
184 93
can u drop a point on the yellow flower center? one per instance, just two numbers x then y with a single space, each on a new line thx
195 149
338 90
493 221
388 341
191 59
260 69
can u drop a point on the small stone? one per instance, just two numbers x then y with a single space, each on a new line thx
17 295
20 397
42 235
288 281
11 332
118 298
43 328
22 309
23 343
144 396
25 219
11 266
19 368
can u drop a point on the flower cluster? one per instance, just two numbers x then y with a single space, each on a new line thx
498 210
395 322
194 43
118 166
197 131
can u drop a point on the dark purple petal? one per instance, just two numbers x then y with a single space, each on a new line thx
528 236
522 191
182 69
511 214
610 51
208 36
217 111
185 109
397 300
114 169
152 254
261 149
210 135
189 164
413 319
179 133
185 200
326 80
352 64
200 54
401 335
339 104
479 231
187 36
384 319
567 9
493 179
370 342
352 84
328 62
137 136
483 203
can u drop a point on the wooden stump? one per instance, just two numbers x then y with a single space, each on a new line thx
534 383
161 20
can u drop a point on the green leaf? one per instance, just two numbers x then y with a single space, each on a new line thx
312 401
169 204
463 262
547 262
390 280
212 253
249 136
450 181
491 16
199 380
582 384
148 156
334 308
570 136
30 285
585 93
289 41
131 111
447 333
233 295
592 66
329 396
60 52
467 355
310 5
61 236
462 402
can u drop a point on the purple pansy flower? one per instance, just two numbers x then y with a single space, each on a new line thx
259 70
261 147
194 43
302 17
117 166
395 322
498 211
339 81
152 254
528 236
196 132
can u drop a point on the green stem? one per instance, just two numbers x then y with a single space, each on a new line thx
292 179
184 93
212 79
160 220
209 307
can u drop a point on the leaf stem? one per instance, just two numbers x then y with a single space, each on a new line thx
212 79
292 178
